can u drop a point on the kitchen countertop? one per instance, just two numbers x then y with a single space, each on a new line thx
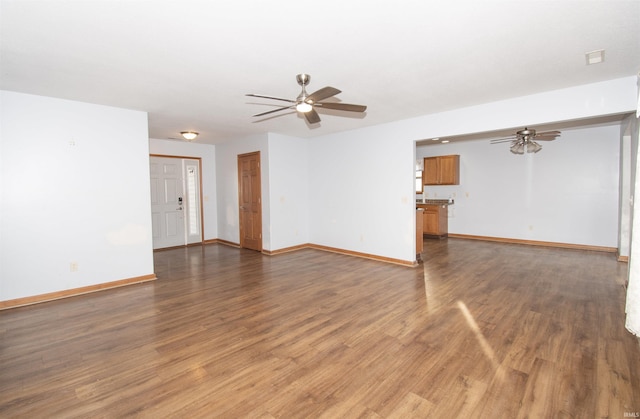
434 202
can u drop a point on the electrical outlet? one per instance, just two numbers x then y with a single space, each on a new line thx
73 266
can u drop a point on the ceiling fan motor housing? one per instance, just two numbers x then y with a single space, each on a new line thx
526 133
303 79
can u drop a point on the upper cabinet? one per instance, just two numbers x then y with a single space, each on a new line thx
442 170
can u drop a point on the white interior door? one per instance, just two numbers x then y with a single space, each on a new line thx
167 202
175 201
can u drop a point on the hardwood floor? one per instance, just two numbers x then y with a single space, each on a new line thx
481 330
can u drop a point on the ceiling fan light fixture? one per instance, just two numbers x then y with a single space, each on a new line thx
533 147
189 135
523 140
517 148
303 107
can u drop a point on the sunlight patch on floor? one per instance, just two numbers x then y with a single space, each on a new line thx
486 348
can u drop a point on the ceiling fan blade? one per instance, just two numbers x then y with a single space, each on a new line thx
547 136
547 133
324 93
270 97
312 116
275 110
342 106
502 140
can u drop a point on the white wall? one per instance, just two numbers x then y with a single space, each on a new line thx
207 154
566 193
227 186
290 191
361 193
598 99
75 189
285 189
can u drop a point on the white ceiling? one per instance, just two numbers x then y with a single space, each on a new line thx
190 63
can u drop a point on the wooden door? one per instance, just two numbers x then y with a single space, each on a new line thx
250 202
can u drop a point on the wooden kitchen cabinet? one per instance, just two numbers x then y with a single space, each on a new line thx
434 220
430 175
442 170
419 229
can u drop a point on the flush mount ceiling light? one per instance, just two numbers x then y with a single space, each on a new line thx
595 57
189 135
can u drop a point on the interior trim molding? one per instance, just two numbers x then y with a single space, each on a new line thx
227 243
537 243
179 247
416 262
407 263
286 249
57 295
410 264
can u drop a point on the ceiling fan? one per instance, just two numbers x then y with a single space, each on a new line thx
307 103
523 140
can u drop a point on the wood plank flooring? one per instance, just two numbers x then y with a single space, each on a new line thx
481 330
